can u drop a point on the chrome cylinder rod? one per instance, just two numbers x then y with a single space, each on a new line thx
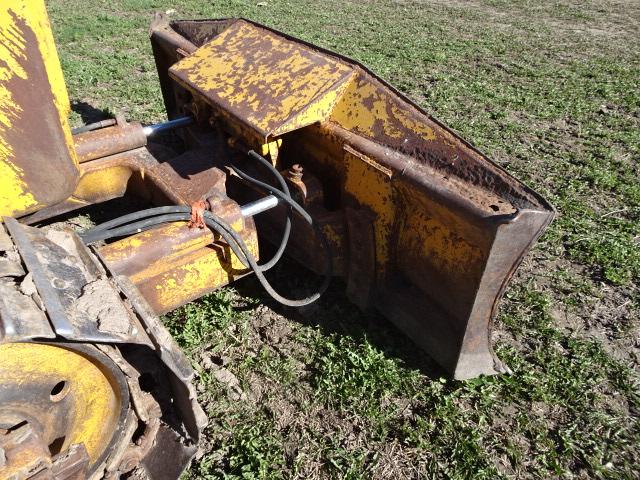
259 206
151 130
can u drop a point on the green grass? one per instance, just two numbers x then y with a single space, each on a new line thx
553 414
547 89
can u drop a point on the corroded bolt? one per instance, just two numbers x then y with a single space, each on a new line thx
296 171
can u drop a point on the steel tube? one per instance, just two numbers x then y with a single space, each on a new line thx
259 206
151 130
109 141
109 122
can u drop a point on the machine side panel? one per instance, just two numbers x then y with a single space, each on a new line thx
37 159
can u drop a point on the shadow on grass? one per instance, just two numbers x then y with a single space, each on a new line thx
89 113
334 314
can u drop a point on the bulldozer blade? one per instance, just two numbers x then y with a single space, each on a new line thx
425 228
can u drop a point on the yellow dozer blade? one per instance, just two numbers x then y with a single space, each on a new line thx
423 226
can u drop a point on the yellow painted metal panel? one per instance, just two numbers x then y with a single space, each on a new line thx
110 182
369 183
370 110
269 83
37 158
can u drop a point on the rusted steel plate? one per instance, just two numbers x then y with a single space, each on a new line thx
268 83
371 110
23 452
37 161
20 316
80 300
192 174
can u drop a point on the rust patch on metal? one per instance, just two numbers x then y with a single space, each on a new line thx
193 174
109 141
37 165
23 452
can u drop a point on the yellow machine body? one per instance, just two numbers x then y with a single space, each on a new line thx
70 406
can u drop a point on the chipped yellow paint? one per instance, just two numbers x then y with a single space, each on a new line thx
193 244
99 185
96 410
197 272
370 184
361 107
121 250
200 270
271 84
267 148
170 262
238 224
15 194
47 47
412 123
316 111
369 109
427 240
142 241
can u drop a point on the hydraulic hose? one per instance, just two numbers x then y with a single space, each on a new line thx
90 237
127 219
145 219
287 226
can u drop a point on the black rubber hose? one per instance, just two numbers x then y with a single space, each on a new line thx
274 191
149 212
215 224
91 237
287 226
319 233
149 219
155 216
95 235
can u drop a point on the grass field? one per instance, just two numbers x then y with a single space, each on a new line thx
548 89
